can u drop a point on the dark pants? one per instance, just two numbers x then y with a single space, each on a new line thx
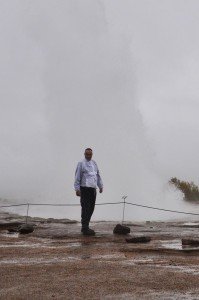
87 200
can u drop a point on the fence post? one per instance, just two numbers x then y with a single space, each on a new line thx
124 198
27 212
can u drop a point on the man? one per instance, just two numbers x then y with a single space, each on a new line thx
87 179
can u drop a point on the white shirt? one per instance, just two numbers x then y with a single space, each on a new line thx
87 174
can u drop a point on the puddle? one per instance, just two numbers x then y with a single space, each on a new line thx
40 245
184 269
21 246
31 261
172 244
153 295
105 257
171 296
191 225
133 262
161 264
177 245
69 245
10 235
109 256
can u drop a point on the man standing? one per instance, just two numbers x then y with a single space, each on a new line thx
87 179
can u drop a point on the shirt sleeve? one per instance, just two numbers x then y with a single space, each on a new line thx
78 174
99 179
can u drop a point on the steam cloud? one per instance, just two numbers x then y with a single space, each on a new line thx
73 78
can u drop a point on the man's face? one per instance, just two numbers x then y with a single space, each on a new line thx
88 154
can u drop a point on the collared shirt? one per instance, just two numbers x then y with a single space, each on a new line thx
87 174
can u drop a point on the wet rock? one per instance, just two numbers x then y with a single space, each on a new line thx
121 229
10 225
12 230
139 239
26 228
190 242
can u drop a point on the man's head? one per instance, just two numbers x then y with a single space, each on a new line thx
88 153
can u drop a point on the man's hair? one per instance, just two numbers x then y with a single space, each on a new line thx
88 149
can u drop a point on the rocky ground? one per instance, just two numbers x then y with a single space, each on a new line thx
57 261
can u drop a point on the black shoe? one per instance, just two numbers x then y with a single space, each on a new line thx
88 232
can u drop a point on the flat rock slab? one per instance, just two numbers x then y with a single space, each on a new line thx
190 242
191 225
139 239
7 225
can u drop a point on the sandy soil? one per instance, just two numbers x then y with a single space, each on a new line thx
56 261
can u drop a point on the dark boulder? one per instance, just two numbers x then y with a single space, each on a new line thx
139 239
26 228
121 229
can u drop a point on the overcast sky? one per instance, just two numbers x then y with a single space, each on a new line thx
118 76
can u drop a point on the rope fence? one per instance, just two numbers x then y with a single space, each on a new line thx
52 204
124 202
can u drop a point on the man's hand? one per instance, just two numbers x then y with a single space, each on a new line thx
101 190
78 193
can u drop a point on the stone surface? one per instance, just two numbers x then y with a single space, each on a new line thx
56 260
